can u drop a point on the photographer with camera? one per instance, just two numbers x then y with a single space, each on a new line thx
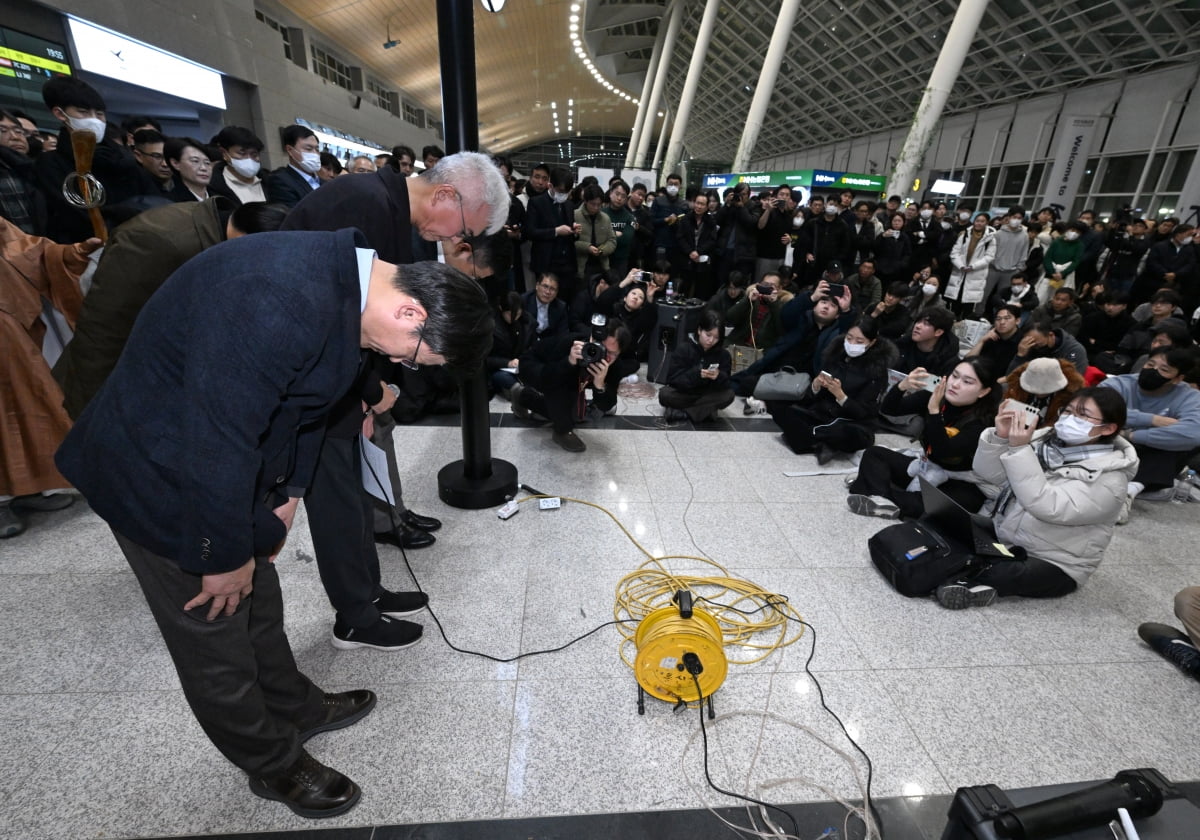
698 378
774 234
737 232
557 375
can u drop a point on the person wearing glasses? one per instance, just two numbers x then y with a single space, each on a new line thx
462 197
148 151
198 448
1061 490
20 201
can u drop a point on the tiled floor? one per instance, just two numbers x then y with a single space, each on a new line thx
96 741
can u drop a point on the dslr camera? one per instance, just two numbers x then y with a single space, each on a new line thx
593 350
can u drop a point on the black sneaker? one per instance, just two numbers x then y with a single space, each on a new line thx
873 506
385 634
962 594
519 409
1173 646
400 604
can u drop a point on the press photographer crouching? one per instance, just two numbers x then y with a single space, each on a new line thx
556 376
837 412
698 377
1061 491
956 408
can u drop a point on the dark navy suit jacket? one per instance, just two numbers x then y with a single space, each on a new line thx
216 410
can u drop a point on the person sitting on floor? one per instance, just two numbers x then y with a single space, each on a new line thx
957 410
1181 649
698 377
1061 493
837 411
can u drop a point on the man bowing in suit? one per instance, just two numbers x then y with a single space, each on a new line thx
203 439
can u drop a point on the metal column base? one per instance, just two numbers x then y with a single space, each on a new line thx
456 490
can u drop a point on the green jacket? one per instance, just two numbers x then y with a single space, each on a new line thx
140 255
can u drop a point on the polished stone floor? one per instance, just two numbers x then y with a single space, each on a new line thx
97 742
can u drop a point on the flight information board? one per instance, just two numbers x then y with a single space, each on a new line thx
26 63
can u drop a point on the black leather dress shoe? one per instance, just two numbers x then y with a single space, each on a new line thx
409 538
421 523
341 710
309 788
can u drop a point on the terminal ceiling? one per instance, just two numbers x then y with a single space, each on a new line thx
852 68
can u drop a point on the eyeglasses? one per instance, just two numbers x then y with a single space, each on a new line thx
1074 412
15 129
411 364
154 155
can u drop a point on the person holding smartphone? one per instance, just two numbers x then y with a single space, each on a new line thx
698 377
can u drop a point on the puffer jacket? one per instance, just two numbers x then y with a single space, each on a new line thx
968 281
1064 515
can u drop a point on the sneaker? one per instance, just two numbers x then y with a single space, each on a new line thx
1126 510
962 594
400 604
1163 495
873 506
631 379
10 523
38 502
754 406
519 409
385 634
1173 646
676 415
824 454
569 441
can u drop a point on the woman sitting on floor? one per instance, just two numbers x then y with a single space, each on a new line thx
956 412
837 412
1061 492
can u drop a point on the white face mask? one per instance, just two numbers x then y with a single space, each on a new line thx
854 350
1073 430
558 197
1019 291
830 210
672 190
928 289
246 167
1015 224
926 213
310 162
962 217
1071 235
91 125
797 221
1187 240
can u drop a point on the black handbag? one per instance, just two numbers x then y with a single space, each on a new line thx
915 559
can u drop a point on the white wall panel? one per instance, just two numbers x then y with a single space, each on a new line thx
951 139
990 133
1141 109
1028 128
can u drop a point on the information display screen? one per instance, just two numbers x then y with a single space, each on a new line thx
26 63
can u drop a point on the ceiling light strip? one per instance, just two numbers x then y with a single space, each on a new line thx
575 33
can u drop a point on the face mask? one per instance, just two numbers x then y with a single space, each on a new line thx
558 197
1151 380
798 221
1071 235
1015 224
962 217
830 210
310 162
91 125
1019 291
1073 430
1187 240
854 350
672 190
928 289
926 213
245 167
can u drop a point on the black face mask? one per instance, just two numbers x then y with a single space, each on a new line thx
1151 380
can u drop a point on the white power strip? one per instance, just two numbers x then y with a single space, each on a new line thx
551 503
508 510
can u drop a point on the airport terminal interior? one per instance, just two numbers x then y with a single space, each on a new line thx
517 715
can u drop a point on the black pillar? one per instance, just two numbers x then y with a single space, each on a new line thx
478 480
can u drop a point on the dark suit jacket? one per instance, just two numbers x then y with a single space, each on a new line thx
285 186
549 252
217 406
376 204
557 317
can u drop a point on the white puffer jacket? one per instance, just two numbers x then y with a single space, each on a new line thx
1063 515
968 281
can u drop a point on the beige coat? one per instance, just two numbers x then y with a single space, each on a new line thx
1064 515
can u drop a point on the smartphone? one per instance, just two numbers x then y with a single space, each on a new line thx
1034 414
931 383
647 277
714 367
765 289
826 374
837 289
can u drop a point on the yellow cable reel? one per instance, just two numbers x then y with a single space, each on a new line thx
671 647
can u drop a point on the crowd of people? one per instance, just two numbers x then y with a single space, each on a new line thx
266 324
